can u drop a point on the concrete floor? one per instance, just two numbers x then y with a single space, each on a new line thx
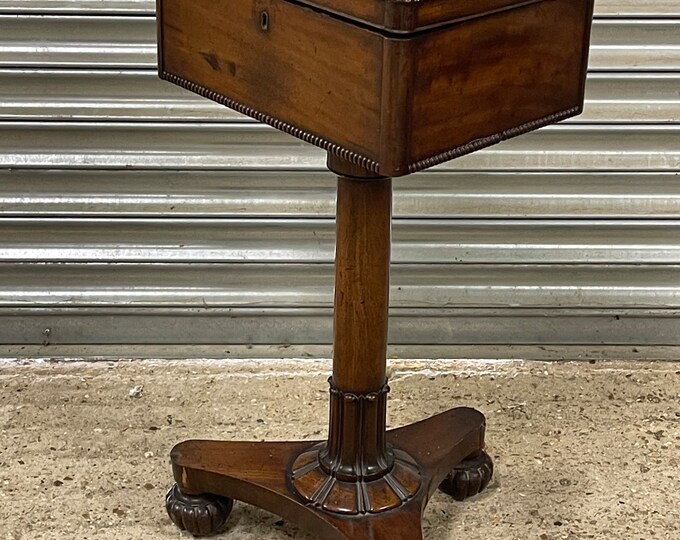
582 450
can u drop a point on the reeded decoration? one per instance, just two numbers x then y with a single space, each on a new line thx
201 516
356 471
352 497
469 478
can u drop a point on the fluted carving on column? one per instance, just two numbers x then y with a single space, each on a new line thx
356 471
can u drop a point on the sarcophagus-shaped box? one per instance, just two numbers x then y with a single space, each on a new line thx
394 86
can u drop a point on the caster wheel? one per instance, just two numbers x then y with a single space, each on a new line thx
469 477
204 515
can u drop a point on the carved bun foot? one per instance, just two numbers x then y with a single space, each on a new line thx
469 478
204 515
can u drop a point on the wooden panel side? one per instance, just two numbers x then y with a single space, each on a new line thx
318 75
499 73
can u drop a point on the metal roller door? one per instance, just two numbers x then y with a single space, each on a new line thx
132 212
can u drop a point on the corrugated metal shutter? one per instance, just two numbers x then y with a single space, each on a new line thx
132 212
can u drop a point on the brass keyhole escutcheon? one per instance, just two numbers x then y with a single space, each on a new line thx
264 21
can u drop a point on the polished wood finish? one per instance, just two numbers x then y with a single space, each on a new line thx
362 482
202 515
256 473
291 71
390 103
470 477
362 282
515 67
387 87
356 471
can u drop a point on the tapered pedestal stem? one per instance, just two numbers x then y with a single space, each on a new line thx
356 471
356 448
362 283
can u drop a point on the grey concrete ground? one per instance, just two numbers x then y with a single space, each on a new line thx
582 450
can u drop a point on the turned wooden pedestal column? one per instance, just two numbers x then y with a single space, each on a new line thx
362 482
356 471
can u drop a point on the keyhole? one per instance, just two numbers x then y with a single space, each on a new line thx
264 21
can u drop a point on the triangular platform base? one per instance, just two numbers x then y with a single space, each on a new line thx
209 474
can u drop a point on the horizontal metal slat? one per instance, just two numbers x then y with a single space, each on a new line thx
602 7
430 241
139 95
34 193
79 6
48 94
635 44
308 286
305 355
86 41
250 326
637 8
63 41
123 193
632 97
599 147
255 146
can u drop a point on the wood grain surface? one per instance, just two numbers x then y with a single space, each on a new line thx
362 278
317 73
495 73
391 103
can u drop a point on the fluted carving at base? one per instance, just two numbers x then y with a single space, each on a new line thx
313 484
356 471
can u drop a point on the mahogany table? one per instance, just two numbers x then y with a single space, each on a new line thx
387 88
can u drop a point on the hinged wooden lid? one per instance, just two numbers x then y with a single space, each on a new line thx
404 16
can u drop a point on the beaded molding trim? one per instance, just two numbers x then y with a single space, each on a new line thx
478 144
352 156
336 149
